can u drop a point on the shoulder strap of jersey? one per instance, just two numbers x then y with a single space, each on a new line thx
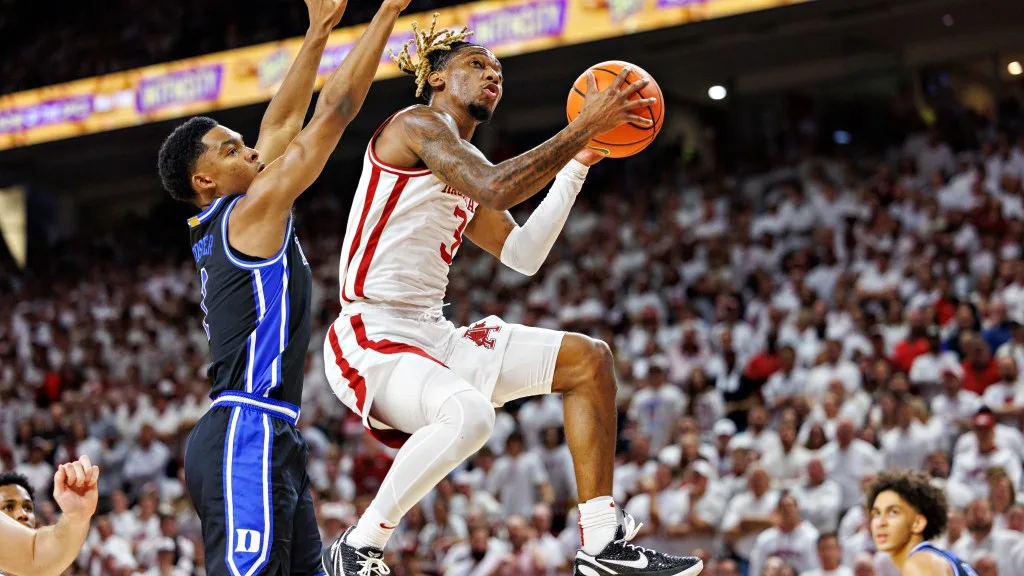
207 212
398 170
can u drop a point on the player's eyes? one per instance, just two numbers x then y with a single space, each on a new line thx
477 64
232 152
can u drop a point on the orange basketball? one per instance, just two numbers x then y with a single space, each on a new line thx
627 139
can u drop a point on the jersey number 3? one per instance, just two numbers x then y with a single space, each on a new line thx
448 254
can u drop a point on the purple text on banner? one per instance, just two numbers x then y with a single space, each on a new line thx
680 3
185 87
520 23
332 58
45 114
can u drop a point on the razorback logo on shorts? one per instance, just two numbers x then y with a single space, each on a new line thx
481 335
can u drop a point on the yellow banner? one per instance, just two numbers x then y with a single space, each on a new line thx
250 75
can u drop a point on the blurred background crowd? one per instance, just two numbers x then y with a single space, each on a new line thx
787 321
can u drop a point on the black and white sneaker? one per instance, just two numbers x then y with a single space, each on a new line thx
344 560
621 557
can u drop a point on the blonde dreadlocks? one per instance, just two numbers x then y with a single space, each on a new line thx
427 43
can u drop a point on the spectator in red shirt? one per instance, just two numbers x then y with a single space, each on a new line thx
916 342
980 369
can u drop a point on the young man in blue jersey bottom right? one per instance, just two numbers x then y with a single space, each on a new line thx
907 511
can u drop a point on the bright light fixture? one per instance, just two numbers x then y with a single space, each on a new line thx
717 92
1014 68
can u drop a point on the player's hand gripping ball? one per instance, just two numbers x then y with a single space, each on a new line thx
630 138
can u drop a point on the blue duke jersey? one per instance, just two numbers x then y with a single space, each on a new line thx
960 568
256 311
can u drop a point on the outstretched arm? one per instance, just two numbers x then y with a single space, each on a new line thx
287 110
272 193
524 248
435 140
50 550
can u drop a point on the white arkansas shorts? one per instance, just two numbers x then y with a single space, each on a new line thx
365 352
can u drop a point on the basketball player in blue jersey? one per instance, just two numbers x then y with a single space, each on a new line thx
245 461
907 511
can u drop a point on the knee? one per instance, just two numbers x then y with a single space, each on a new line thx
478 419
473 416
592 366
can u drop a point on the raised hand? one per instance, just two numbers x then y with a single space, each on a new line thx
400 4
75 489
325 14
611 107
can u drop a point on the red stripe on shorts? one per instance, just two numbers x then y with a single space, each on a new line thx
355 380
371 243
385 346
390 438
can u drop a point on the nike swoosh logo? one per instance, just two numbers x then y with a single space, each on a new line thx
386 527
640 563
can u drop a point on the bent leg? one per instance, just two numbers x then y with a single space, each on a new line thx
585 376
449 421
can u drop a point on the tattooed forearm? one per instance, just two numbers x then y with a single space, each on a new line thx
458 164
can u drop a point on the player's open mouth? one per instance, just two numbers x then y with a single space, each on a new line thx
491 90
260 167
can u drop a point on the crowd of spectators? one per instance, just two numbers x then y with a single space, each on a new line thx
779 339
80 40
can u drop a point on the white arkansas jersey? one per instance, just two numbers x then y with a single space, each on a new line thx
404 229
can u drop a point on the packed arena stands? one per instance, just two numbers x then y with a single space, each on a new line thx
779 338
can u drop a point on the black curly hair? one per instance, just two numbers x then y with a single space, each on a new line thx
916 489
178 155
15 479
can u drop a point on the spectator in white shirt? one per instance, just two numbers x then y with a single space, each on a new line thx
1006 396
848 460
820 498
551 550
656 405
971 466
444 532
958 495
830 556
787 463
626 478
1005 546
147 461
518 479
700 511
757 434
483 555
788 382
790 539
750 513
908 444
833 367
954 407
38 471
656 505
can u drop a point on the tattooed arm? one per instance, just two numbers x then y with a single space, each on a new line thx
433 137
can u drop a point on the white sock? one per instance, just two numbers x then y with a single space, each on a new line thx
598 523
372 530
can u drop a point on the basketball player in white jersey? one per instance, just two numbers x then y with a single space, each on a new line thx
419 382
